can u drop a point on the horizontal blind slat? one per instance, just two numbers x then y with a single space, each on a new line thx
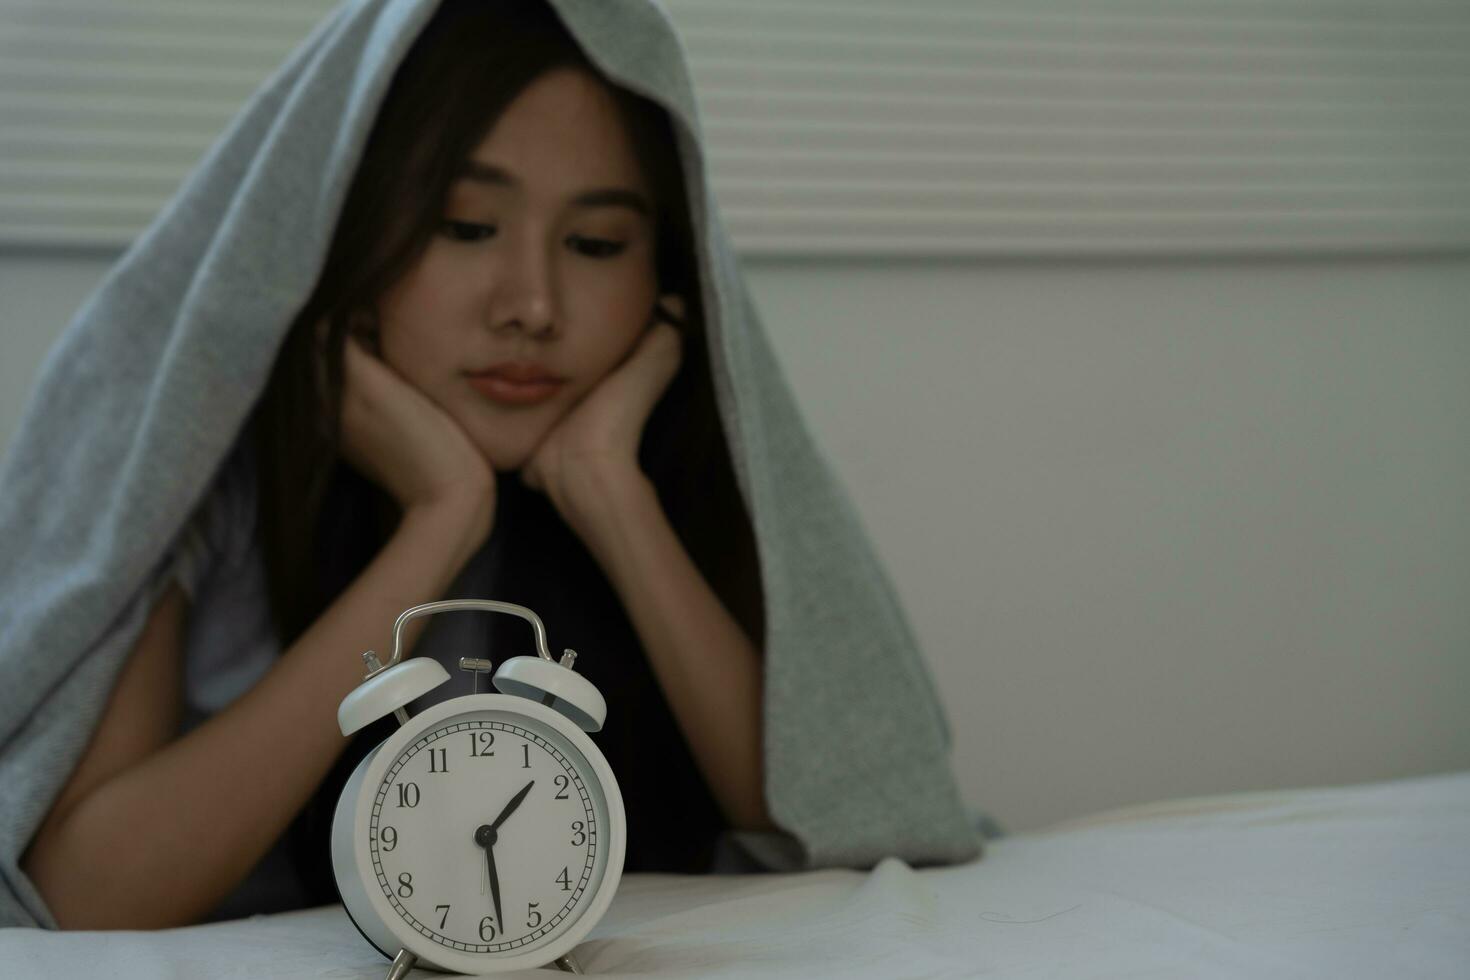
864 127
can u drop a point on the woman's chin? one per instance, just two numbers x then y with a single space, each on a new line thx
508 444
505 456
508 462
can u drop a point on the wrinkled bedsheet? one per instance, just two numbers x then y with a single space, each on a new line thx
1368 881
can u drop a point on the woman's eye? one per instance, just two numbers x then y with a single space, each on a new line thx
597 248
468 231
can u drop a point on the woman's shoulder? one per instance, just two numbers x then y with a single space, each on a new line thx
220 532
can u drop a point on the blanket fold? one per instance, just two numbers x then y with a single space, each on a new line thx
148 389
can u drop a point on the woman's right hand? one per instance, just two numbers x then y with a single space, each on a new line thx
396 436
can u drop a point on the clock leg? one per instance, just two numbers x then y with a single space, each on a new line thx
402 963
568 964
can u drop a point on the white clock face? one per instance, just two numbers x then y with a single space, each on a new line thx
487 833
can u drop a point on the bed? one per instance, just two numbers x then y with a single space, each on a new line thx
1365 881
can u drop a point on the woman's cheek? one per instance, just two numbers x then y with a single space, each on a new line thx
601 346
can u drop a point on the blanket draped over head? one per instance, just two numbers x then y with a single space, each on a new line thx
148 388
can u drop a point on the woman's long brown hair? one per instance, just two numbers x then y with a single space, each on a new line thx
320 522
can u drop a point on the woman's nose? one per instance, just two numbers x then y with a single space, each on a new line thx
523 295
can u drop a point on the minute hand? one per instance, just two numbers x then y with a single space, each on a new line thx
494 886
510 807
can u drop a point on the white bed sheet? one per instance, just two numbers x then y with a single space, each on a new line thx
1368 881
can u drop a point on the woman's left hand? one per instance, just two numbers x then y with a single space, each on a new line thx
597 441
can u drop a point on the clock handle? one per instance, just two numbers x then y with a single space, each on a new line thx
450 605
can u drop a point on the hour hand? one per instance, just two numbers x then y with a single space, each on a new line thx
510 807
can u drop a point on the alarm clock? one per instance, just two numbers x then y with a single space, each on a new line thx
487 832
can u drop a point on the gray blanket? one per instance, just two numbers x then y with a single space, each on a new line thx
146 392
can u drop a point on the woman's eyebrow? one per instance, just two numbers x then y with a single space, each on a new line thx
488 173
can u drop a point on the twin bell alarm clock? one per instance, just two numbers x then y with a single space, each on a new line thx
487 832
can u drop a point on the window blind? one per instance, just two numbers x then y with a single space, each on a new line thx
865 127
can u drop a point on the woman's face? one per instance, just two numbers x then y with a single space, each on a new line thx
541 277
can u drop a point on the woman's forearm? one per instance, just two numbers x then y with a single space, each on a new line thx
163 842
708 668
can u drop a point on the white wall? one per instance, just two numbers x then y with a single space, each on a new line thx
1164 528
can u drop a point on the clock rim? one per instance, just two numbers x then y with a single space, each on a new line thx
431 953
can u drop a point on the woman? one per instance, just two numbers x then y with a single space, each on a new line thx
500 383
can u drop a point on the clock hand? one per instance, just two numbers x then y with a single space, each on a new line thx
511 806
495 887
485 837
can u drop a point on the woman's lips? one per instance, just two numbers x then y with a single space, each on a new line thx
516 384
